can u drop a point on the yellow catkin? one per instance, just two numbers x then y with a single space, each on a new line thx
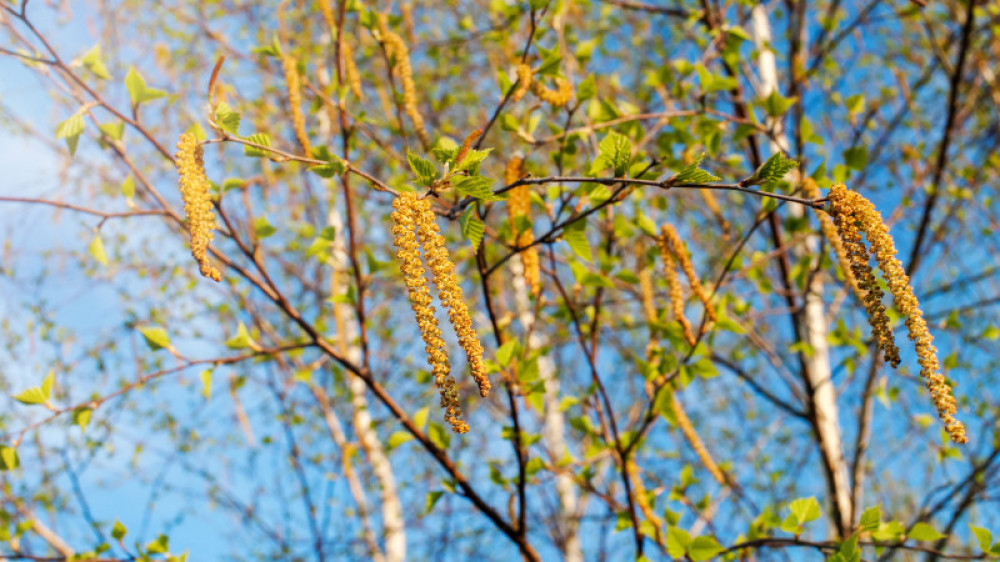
346 53
524 75
518 205
404 231
674 285
558 97
450 292
687 428
642 500
294 84
679 249
351 69
197 201
399 54
852 212
848 223
829 229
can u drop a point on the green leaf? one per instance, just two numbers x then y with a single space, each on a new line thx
678 541
227 118
576 236
156 338
432 499
704 548
871 518
472 227
473 158
128 187
81 417
984 537
856 157
113 131
805 509
924 532
587 88
92 61
262 228
773 170
138 90
8 458
507 352
614 151
97 250
160 546
334 167
398 438
206 383
71 129
119 531
550 66
424 169
855 104
479 187
262 139
694 174
776 104
241 340
32 396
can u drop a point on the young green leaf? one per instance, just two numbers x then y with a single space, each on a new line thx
262 139
424 169
704 548
119 531
772 170
871 518
8 458
71 129
206 383
128 186
507 352
472 227
575 235
479 187
97 250
693 174
156 338
81 417
227 118
92 61
137 89
924 532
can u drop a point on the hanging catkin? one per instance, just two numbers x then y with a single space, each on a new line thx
853 215
197 202
404 231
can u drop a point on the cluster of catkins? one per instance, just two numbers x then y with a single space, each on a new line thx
854 215
412 217
519 205
197 201
673 250
557 97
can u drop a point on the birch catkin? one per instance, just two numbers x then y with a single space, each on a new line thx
197 202
399 54
854 214
450 292
829 229
558 97
679 250
524 77
404 231
674 285
294 84
519 205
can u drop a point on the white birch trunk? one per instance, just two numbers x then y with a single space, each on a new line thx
814 327
553 421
